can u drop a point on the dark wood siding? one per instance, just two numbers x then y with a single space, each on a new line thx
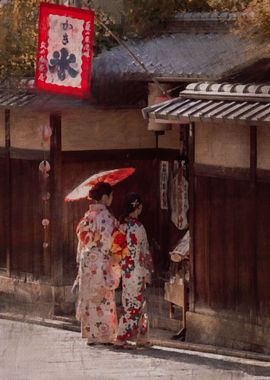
232 260
3 199
26 216
26 252
145 181
263 248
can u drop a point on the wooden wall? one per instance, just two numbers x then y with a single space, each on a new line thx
89 143
144 181
27 257
3 195
25 213
231 252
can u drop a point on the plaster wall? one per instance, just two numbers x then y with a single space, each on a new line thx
171 138
2 129
25 128
86 129
223 144
263 148
106 129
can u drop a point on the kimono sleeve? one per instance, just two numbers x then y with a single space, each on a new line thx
87 234
119 245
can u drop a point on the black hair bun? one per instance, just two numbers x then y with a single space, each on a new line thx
100 189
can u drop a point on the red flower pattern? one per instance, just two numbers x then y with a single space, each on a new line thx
133 239
134 266
84 237
120 239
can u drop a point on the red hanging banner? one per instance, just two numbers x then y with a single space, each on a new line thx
65 49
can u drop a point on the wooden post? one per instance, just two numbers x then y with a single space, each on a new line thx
253 189
8 204
56 201
253 154
191 177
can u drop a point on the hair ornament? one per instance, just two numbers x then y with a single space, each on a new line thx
135 203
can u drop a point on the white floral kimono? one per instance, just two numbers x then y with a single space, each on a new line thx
96 307
136 264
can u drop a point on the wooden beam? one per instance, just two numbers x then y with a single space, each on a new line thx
192 221
221 172
28 154
56 201
119 154
8 203
263 175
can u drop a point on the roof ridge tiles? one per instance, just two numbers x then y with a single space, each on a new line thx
227 88
205 16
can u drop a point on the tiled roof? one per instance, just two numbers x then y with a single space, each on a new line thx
37 100
216 102
187 55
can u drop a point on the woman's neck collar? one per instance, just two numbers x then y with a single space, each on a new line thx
133 215
96 206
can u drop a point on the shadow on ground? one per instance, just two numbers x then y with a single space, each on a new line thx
160 353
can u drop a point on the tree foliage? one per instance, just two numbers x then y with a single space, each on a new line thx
228 5
255 20
146 17
18 39
19 26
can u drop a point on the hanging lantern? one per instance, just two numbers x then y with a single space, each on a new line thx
44 169
45 196
156 96
45 222
46 133
44 166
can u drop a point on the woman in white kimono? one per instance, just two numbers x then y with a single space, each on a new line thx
97 276
136 267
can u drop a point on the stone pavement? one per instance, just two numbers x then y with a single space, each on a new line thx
33 352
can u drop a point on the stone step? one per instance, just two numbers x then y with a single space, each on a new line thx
168 324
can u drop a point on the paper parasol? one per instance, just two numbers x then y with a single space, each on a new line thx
110 176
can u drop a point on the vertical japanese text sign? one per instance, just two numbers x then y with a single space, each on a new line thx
65 48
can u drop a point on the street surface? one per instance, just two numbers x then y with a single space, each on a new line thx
32 352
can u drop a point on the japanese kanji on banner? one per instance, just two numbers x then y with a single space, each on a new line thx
65 48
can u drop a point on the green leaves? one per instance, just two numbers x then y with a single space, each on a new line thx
148 17
141 18
102 39
18 39
18 23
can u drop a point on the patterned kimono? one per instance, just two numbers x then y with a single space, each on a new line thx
97 277
135 264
